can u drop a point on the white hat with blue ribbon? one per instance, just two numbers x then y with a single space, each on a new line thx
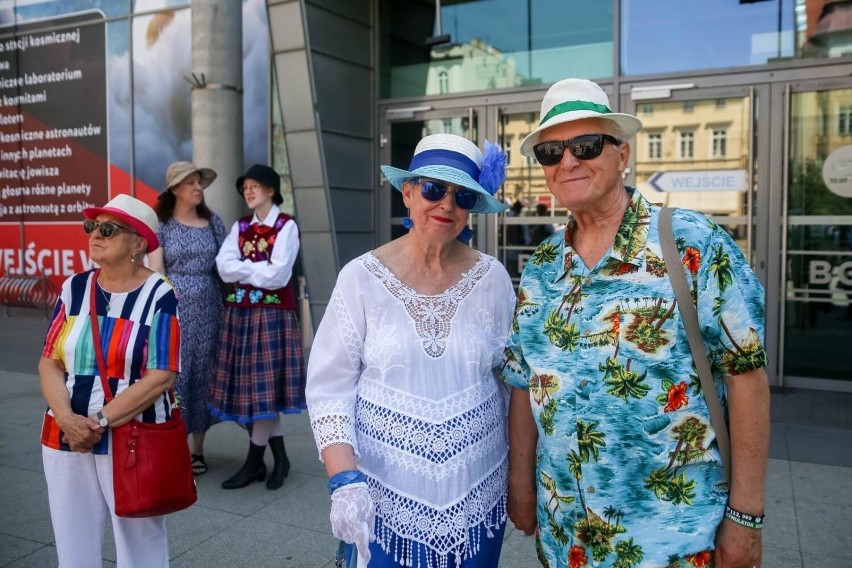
576 99
457 160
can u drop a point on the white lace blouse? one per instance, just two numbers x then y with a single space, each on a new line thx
411 383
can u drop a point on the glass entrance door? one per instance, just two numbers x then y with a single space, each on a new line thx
697 151
816 274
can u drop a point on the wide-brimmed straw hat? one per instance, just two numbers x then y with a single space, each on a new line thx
265 176
576 99
457 160
179 171
135 213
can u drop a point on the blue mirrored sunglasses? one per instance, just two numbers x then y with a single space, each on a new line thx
435 191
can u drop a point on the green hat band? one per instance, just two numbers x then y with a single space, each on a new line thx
569 106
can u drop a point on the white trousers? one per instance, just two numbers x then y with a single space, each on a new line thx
79 489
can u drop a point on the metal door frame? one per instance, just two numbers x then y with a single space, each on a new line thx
781 99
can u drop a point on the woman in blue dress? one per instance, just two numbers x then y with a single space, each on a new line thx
190 235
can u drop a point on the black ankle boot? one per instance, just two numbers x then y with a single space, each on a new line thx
282 463
253 470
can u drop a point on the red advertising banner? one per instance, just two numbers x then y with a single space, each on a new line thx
53 143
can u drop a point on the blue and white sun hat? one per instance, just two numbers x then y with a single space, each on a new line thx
457 160
576 99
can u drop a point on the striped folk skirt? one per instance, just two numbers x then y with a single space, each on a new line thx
260 371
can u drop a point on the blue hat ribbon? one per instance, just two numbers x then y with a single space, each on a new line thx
445 158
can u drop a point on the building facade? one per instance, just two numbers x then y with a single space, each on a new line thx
747 108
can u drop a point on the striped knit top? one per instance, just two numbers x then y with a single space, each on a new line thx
139 330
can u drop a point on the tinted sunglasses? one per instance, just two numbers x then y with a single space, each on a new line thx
435 191
583 147
106 229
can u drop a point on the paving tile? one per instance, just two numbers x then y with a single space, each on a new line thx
780 530
810 560
19 483
822 483
780 557
196 525
26 410
778 441
824 529
812 444
28 518
41 558
13 548
20 447
303 502
260 544
243 502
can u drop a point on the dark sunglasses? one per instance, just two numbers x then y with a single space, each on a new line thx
583 147
106 229
435 191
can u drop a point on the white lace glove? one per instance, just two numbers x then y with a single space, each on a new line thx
353 517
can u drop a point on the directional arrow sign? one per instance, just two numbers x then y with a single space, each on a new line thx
699 180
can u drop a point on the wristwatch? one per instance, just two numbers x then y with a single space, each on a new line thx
102 420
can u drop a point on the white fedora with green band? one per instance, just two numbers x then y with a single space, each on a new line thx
576 99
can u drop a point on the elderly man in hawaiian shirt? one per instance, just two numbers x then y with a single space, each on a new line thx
613 457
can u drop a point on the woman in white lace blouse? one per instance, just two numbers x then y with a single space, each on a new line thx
405 403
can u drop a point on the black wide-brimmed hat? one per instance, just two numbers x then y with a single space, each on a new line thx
265 176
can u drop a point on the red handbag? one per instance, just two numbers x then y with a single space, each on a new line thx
151 466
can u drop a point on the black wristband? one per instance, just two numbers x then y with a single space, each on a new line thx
744 519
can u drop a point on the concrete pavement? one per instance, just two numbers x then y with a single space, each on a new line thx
809 489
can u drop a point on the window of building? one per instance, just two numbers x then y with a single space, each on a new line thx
493 44
688 106
844 120
655 146
443 82
719 142
721 103
687 145
648 109
754 33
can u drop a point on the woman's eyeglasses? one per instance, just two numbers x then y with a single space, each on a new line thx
583 147
251 188
106 228
435 191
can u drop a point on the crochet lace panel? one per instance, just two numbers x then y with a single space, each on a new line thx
432 315
444 530
407 433
333 423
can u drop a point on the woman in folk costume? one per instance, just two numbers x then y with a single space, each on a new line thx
260 371
405 404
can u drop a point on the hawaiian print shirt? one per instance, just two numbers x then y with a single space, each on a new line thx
628 470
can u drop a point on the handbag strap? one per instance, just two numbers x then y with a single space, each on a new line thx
96 338
689 316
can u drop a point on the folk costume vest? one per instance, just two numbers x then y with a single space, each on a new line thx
256 242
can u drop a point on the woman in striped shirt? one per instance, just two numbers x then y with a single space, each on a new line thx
140 338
